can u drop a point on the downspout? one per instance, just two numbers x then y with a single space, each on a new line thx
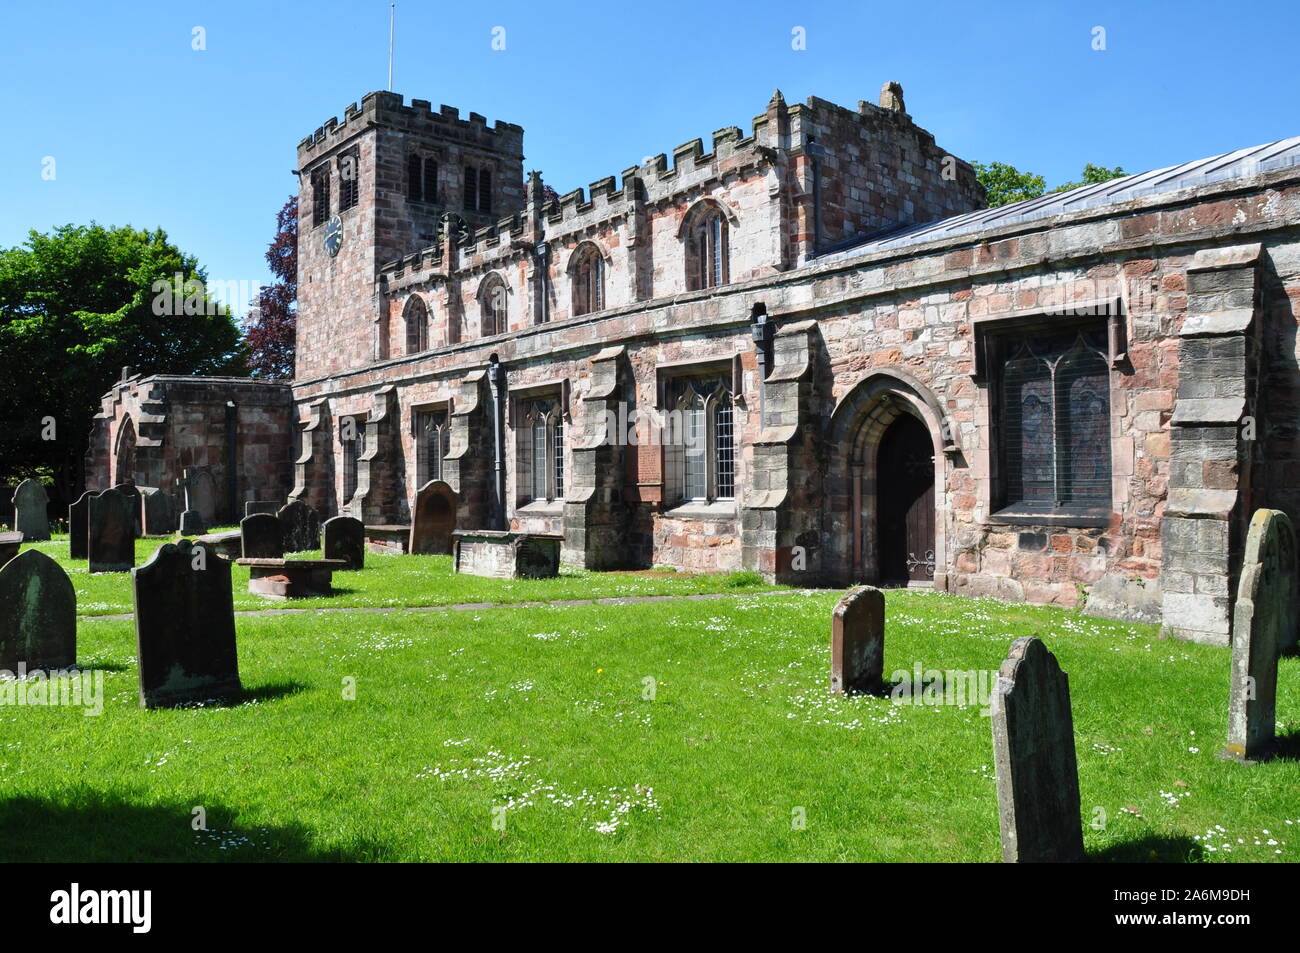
761 330
497 381
232 476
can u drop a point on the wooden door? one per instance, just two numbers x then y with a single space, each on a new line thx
905 502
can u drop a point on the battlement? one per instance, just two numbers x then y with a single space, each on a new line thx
390 109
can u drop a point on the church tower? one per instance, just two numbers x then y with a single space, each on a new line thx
374 187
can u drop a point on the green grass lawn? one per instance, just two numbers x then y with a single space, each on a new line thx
390 580
542 711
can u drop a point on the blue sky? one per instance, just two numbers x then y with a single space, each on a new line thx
146 131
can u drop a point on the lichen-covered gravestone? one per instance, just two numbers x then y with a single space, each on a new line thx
301 527
201 493
185 627
858 642
38 614
159 511
78 523
1263 617
1033 755
261 537
345 538
110 534
31 514
435 519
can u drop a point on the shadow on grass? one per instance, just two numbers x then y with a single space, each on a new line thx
1286 747
264 693
102 828
1149 850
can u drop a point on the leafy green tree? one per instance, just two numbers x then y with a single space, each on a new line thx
1005 183
78 304
1092 175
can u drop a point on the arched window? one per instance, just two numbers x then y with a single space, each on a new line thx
541 451
702 450
432 444
416 316
587 272
706 237
492 299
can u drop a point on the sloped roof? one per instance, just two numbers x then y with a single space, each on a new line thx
1229 165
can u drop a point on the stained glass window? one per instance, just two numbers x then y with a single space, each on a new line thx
1055 422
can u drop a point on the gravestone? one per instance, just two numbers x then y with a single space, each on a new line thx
435 519
301 527
110 533
192 523
10 543
858 642
38 614
345 538
1265 613
132 492
31 513
261 506
159 509
261 537
78 525
185 627
1033 756
201 493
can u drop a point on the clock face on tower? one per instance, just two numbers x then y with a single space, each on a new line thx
334 235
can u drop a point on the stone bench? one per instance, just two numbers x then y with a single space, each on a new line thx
292 578
227 545
392 538
506 555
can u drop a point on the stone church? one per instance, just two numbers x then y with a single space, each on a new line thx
808 351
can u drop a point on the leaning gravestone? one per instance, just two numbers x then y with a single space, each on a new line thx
159 511
858 642
435 519
1265 614
301 527
132 492
1033 756
38 614
261 536
78 522
345 538
110 533
185 627
31 514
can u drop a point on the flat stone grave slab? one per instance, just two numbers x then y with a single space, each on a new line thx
227 544
292 578
388 538
9 544
505 555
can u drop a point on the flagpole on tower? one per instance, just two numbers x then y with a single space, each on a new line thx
392 8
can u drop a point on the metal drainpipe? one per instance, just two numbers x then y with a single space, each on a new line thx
232 464
497 381
814 151
761 331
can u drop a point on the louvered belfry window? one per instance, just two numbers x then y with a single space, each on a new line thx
414 178
1054 422
349 186
320 195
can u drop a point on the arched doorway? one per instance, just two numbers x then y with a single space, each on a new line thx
124 468
905 503
889 449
